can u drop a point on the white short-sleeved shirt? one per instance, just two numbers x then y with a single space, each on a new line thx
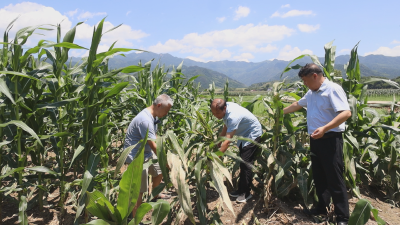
324 105
137 131
243 121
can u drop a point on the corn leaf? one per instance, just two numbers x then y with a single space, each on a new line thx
218 181
19 74
97 222
141 212
123 156
160 210
130 183
97 204
361 213
24 127
22 218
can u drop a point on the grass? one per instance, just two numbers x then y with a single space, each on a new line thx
383 98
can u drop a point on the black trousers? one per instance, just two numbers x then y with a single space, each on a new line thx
247 153
327 167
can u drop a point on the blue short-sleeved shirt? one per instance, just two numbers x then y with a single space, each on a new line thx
324 105
243 121
137 131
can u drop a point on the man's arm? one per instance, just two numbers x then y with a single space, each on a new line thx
225 144
292 108
223 132
339 119
153 146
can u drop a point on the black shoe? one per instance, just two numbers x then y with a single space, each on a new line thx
235 194
342 223
314 212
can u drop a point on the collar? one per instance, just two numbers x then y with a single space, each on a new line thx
324 85
151 116
226 112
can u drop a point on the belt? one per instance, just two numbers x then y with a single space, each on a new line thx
329 135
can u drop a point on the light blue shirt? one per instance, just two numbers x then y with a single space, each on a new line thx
243 121
324 105
137 131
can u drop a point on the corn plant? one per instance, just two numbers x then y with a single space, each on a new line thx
129 188
367 138
43 98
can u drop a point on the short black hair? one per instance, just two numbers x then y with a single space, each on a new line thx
310 68
218 103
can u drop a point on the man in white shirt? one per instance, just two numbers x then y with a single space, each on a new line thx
327 111
241 122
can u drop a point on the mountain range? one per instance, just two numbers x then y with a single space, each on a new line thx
241 74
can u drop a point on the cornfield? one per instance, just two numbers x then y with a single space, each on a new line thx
62 126
384 92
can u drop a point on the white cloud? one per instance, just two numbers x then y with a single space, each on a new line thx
244 57
216 55
267 49
289 53
395 42
292 13
395 51
76 53
195 59
101 48
242 11
285 6
344 51
88 15
72 13
241 36
127 13
221 19
207 46
307 28
32 14
123 34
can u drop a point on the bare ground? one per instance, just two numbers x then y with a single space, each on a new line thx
281 211
288 210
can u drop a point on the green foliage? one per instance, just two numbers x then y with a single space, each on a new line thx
78 113
99 206
362 213
369 137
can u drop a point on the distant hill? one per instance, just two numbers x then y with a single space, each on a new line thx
189 68
249 72
208 76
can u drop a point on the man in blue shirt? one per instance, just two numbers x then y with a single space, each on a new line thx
241 122
327 111
147 119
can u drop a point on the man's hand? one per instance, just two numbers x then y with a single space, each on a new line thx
318 133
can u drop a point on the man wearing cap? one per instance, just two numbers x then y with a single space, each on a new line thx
147 120
327 111
241 122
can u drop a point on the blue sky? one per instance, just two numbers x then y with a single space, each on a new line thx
205 30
